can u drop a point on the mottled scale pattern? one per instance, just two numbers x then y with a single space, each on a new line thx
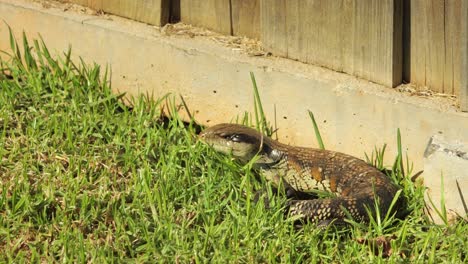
355 183
324 210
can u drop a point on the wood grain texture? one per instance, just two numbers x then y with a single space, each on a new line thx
464 57
273 26
246 18
359 37
154 12
174 16
212 14
434 45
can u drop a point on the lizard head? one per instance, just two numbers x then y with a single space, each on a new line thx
240 141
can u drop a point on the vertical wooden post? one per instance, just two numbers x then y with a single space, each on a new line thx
464 57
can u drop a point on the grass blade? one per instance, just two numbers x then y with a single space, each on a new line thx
316 129
260 117
28 57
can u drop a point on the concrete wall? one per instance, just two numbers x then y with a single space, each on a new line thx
353 115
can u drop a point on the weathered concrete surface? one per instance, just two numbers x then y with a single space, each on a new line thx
354 115
448 161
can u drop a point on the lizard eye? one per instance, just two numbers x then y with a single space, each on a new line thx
236 138
233 137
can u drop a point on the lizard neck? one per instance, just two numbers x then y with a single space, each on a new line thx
271 153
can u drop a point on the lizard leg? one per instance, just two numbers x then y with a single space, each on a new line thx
289 192
327 210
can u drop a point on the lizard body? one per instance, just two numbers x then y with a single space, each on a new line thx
355 183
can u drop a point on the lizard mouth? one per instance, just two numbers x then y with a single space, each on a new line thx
242 151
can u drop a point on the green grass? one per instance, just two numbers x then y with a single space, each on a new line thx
86 178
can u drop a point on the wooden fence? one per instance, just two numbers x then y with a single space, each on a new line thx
359 37
154 12
385 41
433 44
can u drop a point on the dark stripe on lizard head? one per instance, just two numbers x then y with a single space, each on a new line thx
242 141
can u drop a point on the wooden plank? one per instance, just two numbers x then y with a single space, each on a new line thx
416 39
175 11
211 14
377 48
397 52
80 2
464 57
246 18
273 26
434 44
93 4
154 12
296 43
436 51
360 37
452 47
312 33
406 40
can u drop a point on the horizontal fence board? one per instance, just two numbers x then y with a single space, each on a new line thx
434 44
359 37
212 14
246 18
154 12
